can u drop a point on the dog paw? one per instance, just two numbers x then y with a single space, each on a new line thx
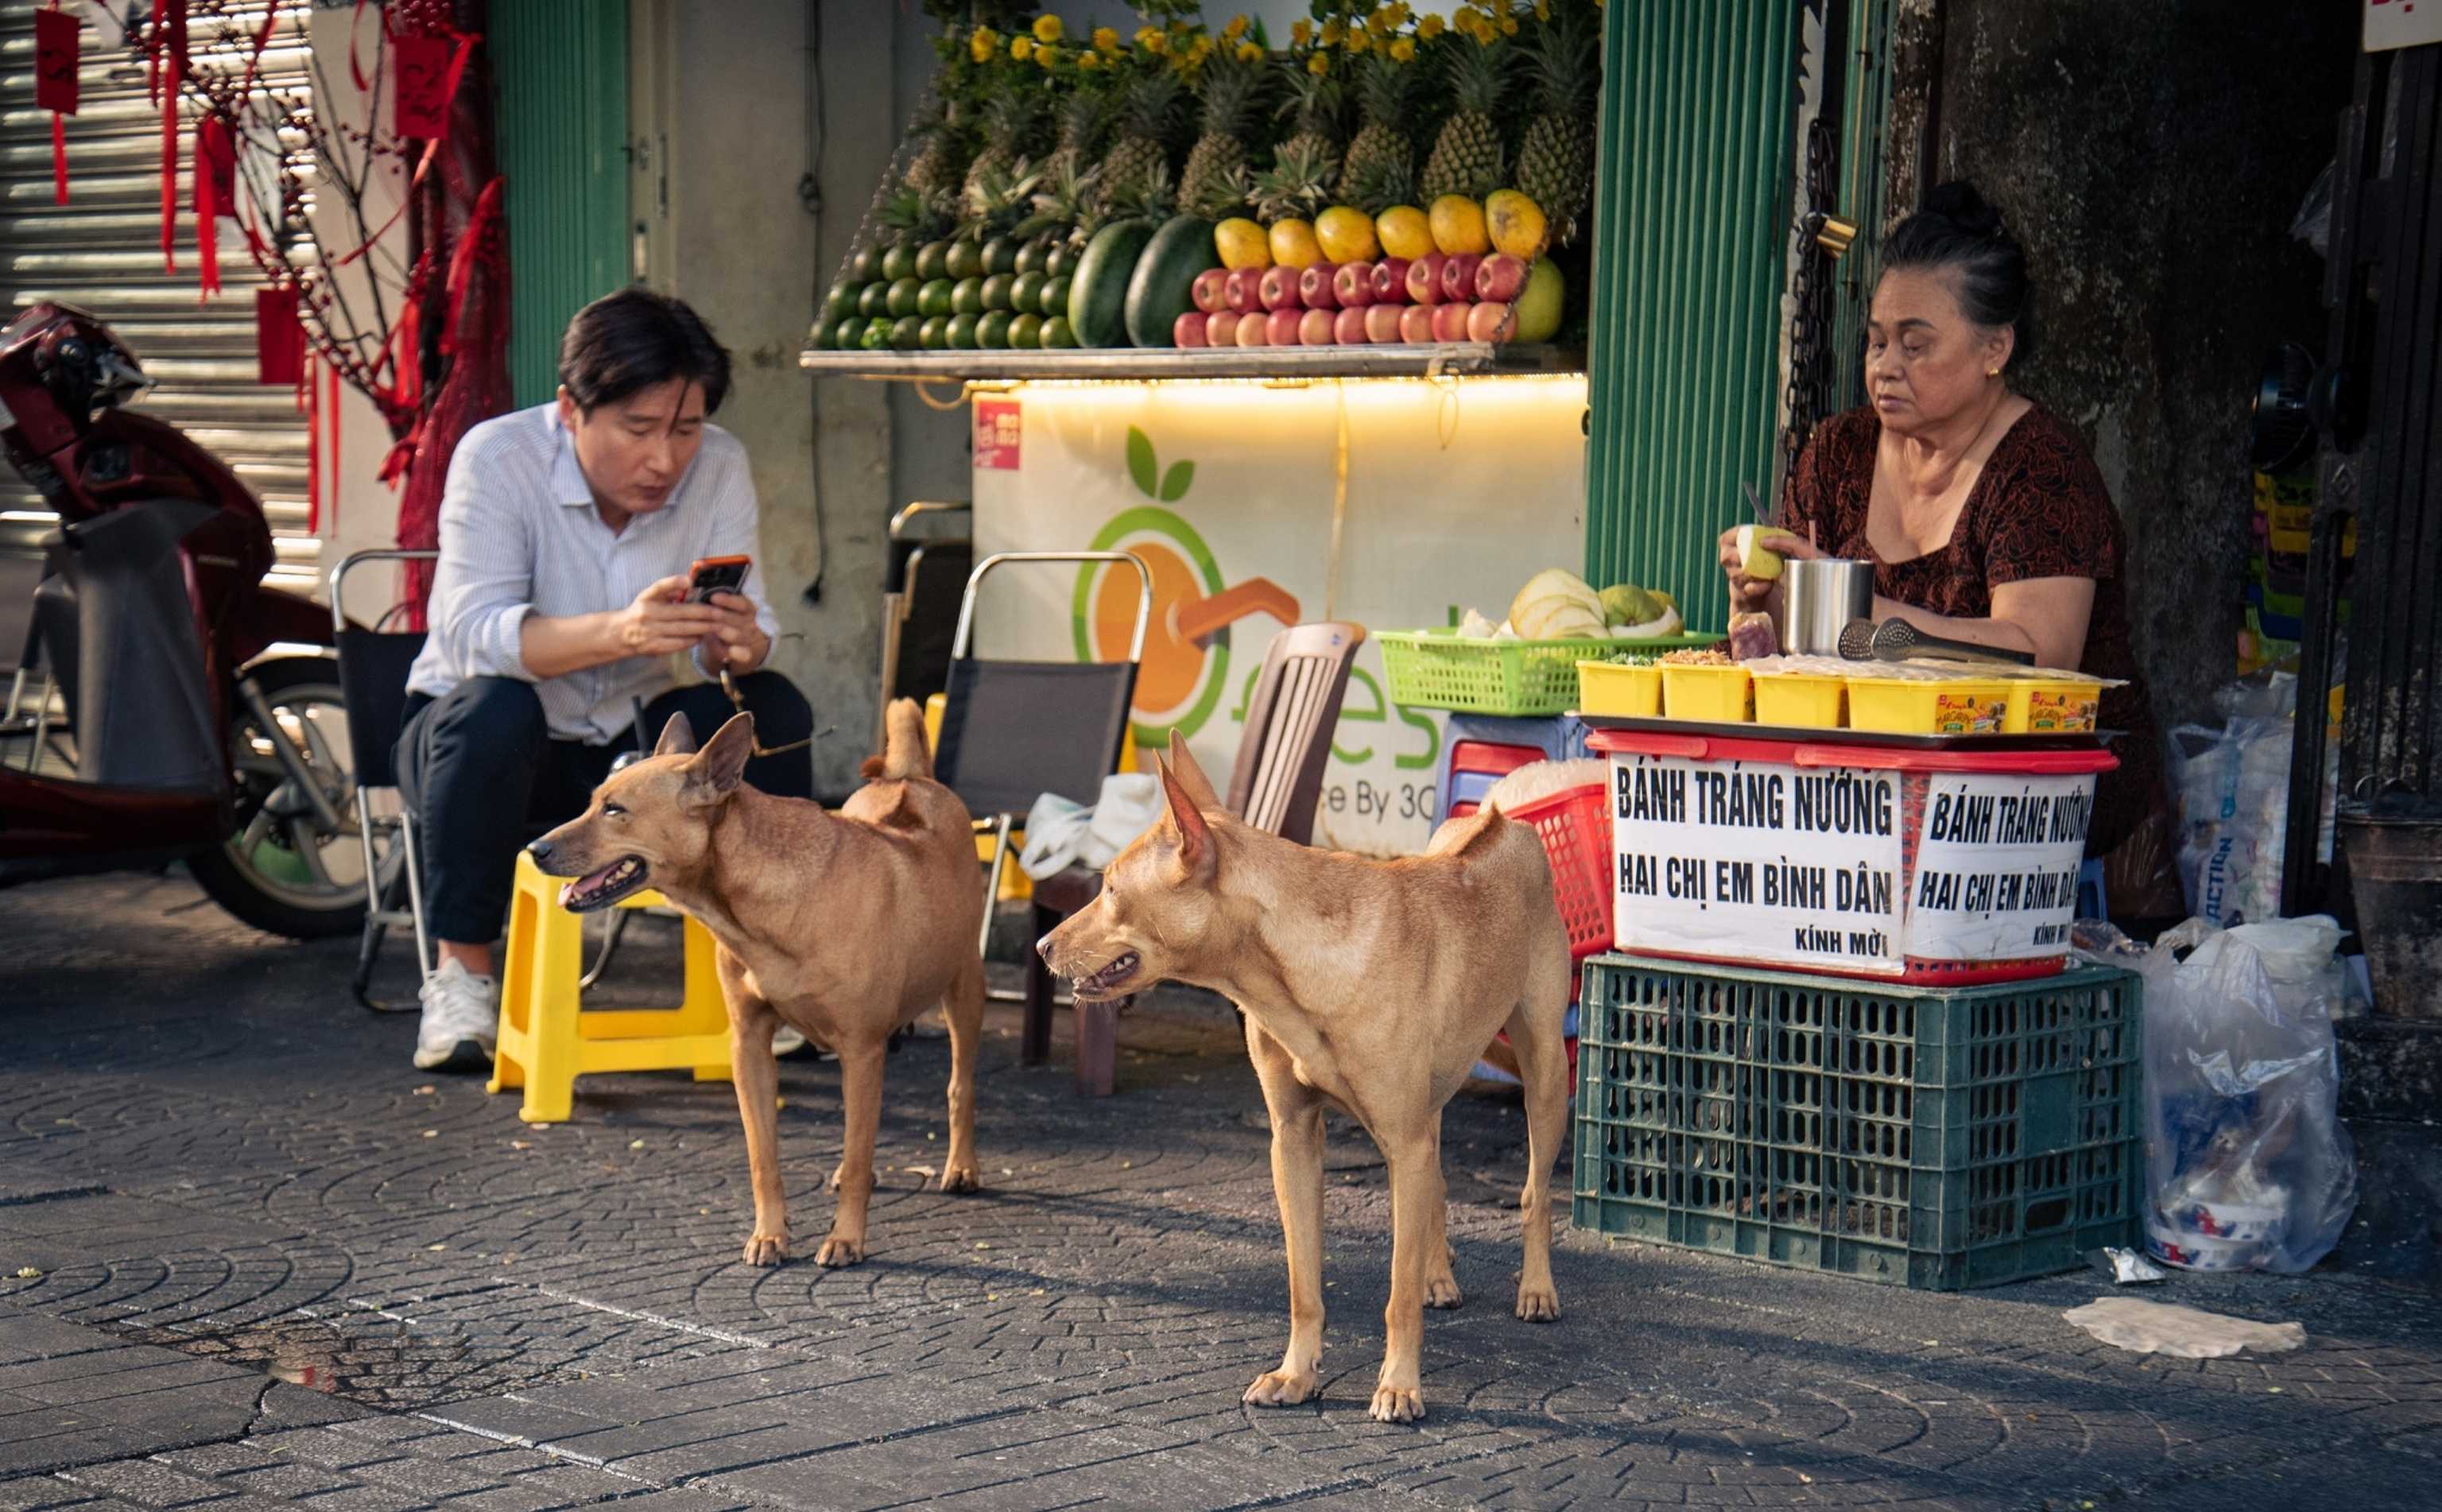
838 1251
766 1250
1538 1305
1442 1293
1280 1389
835 1176
961 1178
1396 1404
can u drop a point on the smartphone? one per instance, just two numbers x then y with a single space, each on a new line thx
716 574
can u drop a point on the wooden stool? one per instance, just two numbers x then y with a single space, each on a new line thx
546 1044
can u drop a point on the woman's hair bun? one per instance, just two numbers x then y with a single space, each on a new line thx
1960 204
1958 232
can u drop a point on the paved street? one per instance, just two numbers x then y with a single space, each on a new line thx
248 1256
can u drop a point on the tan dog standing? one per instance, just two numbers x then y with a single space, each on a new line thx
1370 985
845 926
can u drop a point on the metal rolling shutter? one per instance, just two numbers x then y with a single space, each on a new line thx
102 251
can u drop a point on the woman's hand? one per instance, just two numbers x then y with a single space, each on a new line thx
1748 594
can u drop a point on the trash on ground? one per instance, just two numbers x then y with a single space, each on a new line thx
2183 1333
2125 1267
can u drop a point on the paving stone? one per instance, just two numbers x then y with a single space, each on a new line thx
150 1483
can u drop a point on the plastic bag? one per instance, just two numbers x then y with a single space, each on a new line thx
2313 223
2233 792
1061 834
2247 1163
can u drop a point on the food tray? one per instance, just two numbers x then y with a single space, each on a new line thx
1910 707
1616 687
2052 705
1868 737
1809 701
1697 691
1441 669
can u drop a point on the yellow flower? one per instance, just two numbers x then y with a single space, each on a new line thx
1510 25
1403 51
1021 48
1047 28
983 44
1360 40
1301 32
1155 42
1249 52
1331 31
1089 59
1237 27
1428 26
1047 55
1542 9
1318 64
1105 40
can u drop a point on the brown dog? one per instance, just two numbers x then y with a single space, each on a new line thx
845 926
1370 985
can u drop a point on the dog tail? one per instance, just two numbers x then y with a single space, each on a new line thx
904 754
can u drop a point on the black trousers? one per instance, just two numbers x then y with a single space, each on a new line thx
482 772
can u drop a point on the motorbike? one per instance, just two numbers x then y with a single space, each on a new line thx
170 705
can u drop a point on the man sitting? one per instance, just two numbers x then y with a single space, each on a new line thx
559 609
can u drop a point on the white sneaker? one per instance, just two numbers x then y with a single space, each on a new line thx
462 1016
786 1041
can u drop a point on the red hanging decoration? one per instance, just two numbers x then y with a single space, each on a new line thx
306 396
165 47
215 195
55 85
422 76
278 338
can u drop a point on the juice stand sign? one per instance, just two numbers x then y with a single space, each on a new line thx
1233 498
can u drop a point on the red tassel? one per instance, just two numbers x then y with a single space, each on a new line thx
215 195
313 455
58 159
279 338
332 403
56 85
420 78
167 45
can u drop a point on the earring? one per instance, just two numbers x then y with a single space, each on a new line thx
1992 372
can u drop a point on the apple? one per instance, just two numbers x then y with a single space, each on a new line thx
1391 280
1254 330
1449 321
1489 322
1382 322
1315 288
1279 290
1284 327
1315 327
1221 328
1210 290
1353 286
1240 290
1417 324
1424 279
1458 278
1348 328
1501 277
1188 330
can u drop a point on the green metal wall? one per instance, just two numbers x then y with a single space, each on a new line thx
562 72
1690 247
1861 196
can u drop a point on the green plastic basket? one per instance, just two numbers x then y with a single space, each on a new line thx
1937 1140
1439 669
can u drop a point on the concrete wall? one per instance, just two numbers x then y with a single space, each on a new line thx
2150 154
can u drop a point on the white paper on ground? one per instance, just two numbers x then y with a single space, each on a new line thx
2184 1333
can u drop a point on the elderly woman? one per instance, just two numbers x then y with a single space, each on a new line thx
1984 516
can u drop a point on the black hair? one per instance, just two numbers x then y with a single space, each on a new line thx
1957 231
634 339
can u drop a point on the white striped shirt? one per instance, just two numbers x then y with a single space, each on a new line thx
520 536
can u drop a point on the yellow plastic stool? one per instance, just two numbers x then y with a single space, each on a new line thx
546 1044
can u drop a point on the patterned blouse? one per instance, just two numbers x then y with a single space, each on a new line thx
2039 509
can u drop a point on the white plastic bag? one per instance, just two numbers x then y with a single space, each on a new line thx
2233 792
2247 1163
1061 834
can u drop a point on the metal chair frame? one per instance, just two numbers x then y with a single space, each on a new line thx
897 600
379 919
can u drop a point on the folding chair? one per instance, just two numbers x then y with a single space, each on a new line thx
1274 786
920 592
374 665
1014 731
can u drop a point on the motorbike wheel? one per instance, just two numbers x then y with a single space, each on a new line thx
281 869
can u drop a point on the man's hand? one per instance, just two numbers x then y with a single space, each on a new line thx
736 643
662 621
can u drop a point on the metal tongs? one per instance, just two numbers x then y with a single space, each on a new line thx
1896 640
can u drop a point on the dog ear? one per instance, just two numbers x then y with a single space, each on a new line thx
677 737
716 769
1190 775
1192 836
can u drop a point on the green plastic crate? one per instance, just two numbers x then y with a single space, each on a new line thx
1924 1137
1441 669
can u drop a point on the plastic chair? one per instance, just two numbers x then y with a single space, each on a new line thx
1014 731
920 593
547 1041
1274 786
374 665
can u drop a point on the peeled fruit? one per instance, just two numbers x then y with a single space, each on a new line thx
1404 231
1188 331
1293 244
1315 327
1348 328
1353 286
1241 243
1254 330
1458 276
1242 290
1381 321
1458 226
1500 277
1489 321
1280 327
1347 235
1279 289
1417 324
1391 280
1315 288
1424 279
1539 307
1556 604
1515 222
1221 328
1757 559
1449 321
1210 290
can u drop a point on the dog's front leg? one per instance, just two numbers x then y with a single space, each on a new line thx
757 1076
861 1093
1297 1186
1416 1199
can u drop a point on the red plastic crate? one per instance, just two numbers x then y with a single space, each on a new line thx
1574 825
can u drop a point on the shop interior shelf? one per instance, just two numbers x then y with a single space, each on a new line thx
1288 364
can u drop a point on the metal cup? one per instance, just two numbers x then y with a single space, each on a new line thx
1819 599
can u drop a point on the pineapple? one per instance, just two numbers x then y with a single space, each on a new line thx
997 200
1152 197
1232 97
910 219
1466 157
1556 159
1222 195
939 164
1298 185
1011 127
1082 114
1148 118
1317 105
1381 170
1065 203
